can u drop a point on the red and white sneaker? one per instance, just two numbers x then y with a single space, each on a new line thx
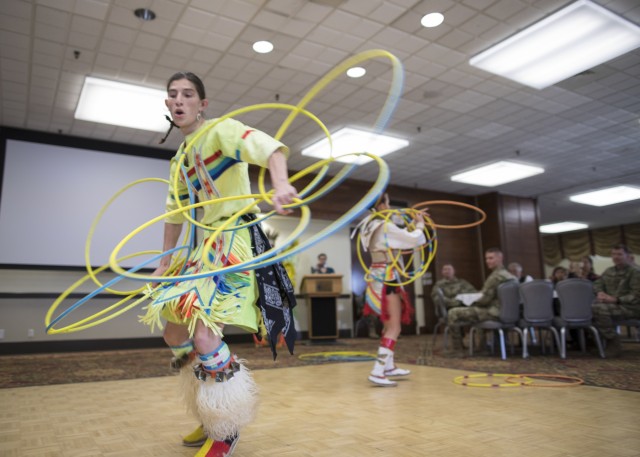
382 381
213 448
395 371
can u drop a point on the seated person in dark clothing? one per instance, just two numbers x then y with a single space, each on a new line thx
321 267
587 269
559 274
516 270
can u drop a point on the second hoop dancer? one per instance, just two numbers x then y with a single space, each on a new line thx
385 296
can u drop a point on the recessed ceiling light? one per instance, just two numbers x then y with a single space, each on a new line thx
356 72
562 227
497 173
608 196
348 140
145 14
575 38
432 20
115 103
263 47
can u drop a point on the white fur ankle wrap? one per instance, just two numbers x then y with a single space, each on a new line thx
223 408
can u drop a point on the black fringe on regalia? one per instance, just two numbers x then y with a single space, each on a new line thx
277 298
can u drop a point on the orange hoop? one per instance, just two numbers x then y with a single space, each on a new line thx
483 215
562 380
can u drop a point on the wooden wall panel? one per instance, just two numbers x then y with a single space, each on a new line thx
513 227
521 234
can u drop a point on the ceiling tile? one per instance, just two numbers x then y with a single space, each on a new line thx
386 13
92 8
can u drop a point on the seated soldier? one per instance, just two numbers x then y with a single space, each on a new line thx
617 297
486 307
451 286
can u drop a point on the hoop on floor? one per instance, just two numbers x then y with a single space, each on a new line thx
464 380
572 381
338 356
518 380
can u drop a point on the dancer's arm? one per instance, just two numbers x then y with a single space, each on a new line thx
171 235
284 193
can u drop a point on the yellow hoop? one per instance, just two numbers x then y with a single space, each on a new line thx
338 354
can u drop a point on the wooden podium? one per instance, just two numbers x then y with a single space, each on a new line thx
321 293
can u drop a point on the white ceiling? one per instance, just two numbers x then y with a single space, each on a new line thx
584 131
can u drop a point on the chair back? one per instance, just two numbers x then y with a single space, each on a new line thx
509 298
537 300
440 306
576 297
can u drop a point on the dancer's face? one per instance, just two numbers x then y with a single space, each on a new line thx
184 104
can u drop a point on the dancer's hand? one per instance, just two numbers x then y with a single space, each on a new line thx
283 194
419 217
160 271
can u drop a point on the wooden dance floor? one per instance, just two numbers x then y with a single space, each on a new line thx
328 411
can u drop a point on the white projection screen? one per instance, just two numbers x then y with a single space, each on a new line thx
51 195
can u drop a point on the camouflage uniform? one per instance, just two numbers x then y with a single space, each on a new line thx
485 308
623 283
450 288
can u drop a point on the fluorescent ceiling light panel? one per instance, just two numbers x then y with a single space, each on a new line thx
574 39
115 103
497 173
608 196
562 227
348 140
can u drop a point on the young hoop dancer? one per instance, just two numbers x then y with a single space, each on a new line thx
390 302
